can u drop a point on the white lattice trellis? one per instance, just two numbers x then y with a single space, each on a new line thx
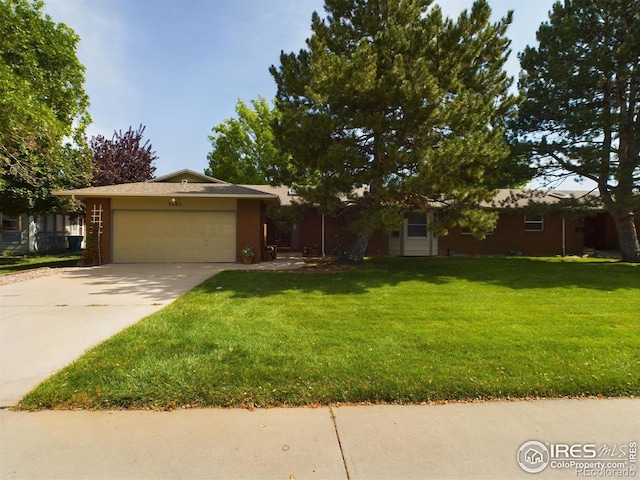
96 217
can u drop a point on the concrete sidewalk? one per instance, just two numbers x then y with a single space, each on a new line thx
453 441
48 322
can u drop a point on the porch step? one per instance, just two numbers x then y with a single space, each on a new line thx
289 254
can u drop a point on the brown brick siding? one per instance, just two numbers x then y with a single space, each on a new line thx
379 244
335 231
311 231
510 235
249 228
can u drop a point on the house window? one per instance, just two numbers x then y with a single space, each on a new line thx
51 229
417 225
10 232
467 231
533 223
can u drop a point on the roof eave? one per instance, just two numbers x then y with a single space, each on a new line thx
71 193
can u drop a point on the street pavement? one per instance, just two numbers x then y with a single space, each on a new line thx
46 323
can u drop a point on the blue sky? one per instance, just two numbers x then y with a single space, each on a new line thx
180 66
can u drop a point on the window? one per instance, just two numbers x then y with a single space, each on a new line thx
417 225
10 232
533 223
467 231
51 229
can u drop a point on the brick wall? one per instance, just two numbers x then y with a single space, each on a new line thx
379 244
93 206
334 230
311 231
510 235
249 227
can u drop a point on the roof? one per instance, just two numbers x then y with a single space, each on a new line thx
505 198
284 193
510 198
150 189
185 183
188 175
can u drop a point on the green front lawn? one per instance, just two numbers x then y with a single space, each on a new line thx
393 330
14 264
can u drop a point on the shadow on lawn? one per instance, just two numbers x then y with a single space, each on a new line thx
512 273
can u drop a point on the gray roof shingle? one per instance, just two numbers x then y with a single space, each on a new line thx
162 189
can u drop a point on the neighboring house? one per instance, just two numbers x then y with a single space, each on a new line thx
190 217
24 234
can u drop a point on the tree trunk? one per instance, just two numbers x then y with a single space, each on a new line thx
627 236
358 248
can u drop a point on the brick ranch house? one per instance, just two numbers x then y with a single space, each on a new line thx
189 217
519 230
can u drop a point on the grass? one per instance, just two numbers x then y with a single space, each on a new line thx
14 264
393 330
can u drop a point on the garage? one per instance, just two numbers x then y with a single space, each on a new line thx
170 236
180 217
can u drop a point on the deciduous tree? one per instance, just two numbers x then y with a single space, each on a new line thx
581 115
393 98
124 158
43 109
244 149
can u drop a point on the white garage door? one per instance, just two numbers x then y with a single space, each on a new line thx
160 236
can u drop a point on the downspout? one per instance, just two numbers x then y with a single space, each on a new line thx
430 235
564 237
323 254
32 230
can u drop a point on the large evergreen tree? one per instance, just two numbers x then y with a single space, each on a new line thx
43 110
391 97
581 115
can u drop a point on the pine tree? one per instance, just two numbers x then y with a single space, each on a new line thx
391 97
581 113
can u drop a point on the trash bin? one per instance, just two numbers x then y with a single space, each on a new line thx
75 242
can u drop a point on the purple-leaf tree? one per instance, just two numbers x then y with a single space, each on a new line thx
125 158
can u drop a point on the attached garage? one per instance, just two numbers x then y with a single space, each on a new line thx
181 217
161 236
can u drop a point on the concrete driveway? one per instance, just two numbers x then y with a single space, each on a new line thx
47 322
